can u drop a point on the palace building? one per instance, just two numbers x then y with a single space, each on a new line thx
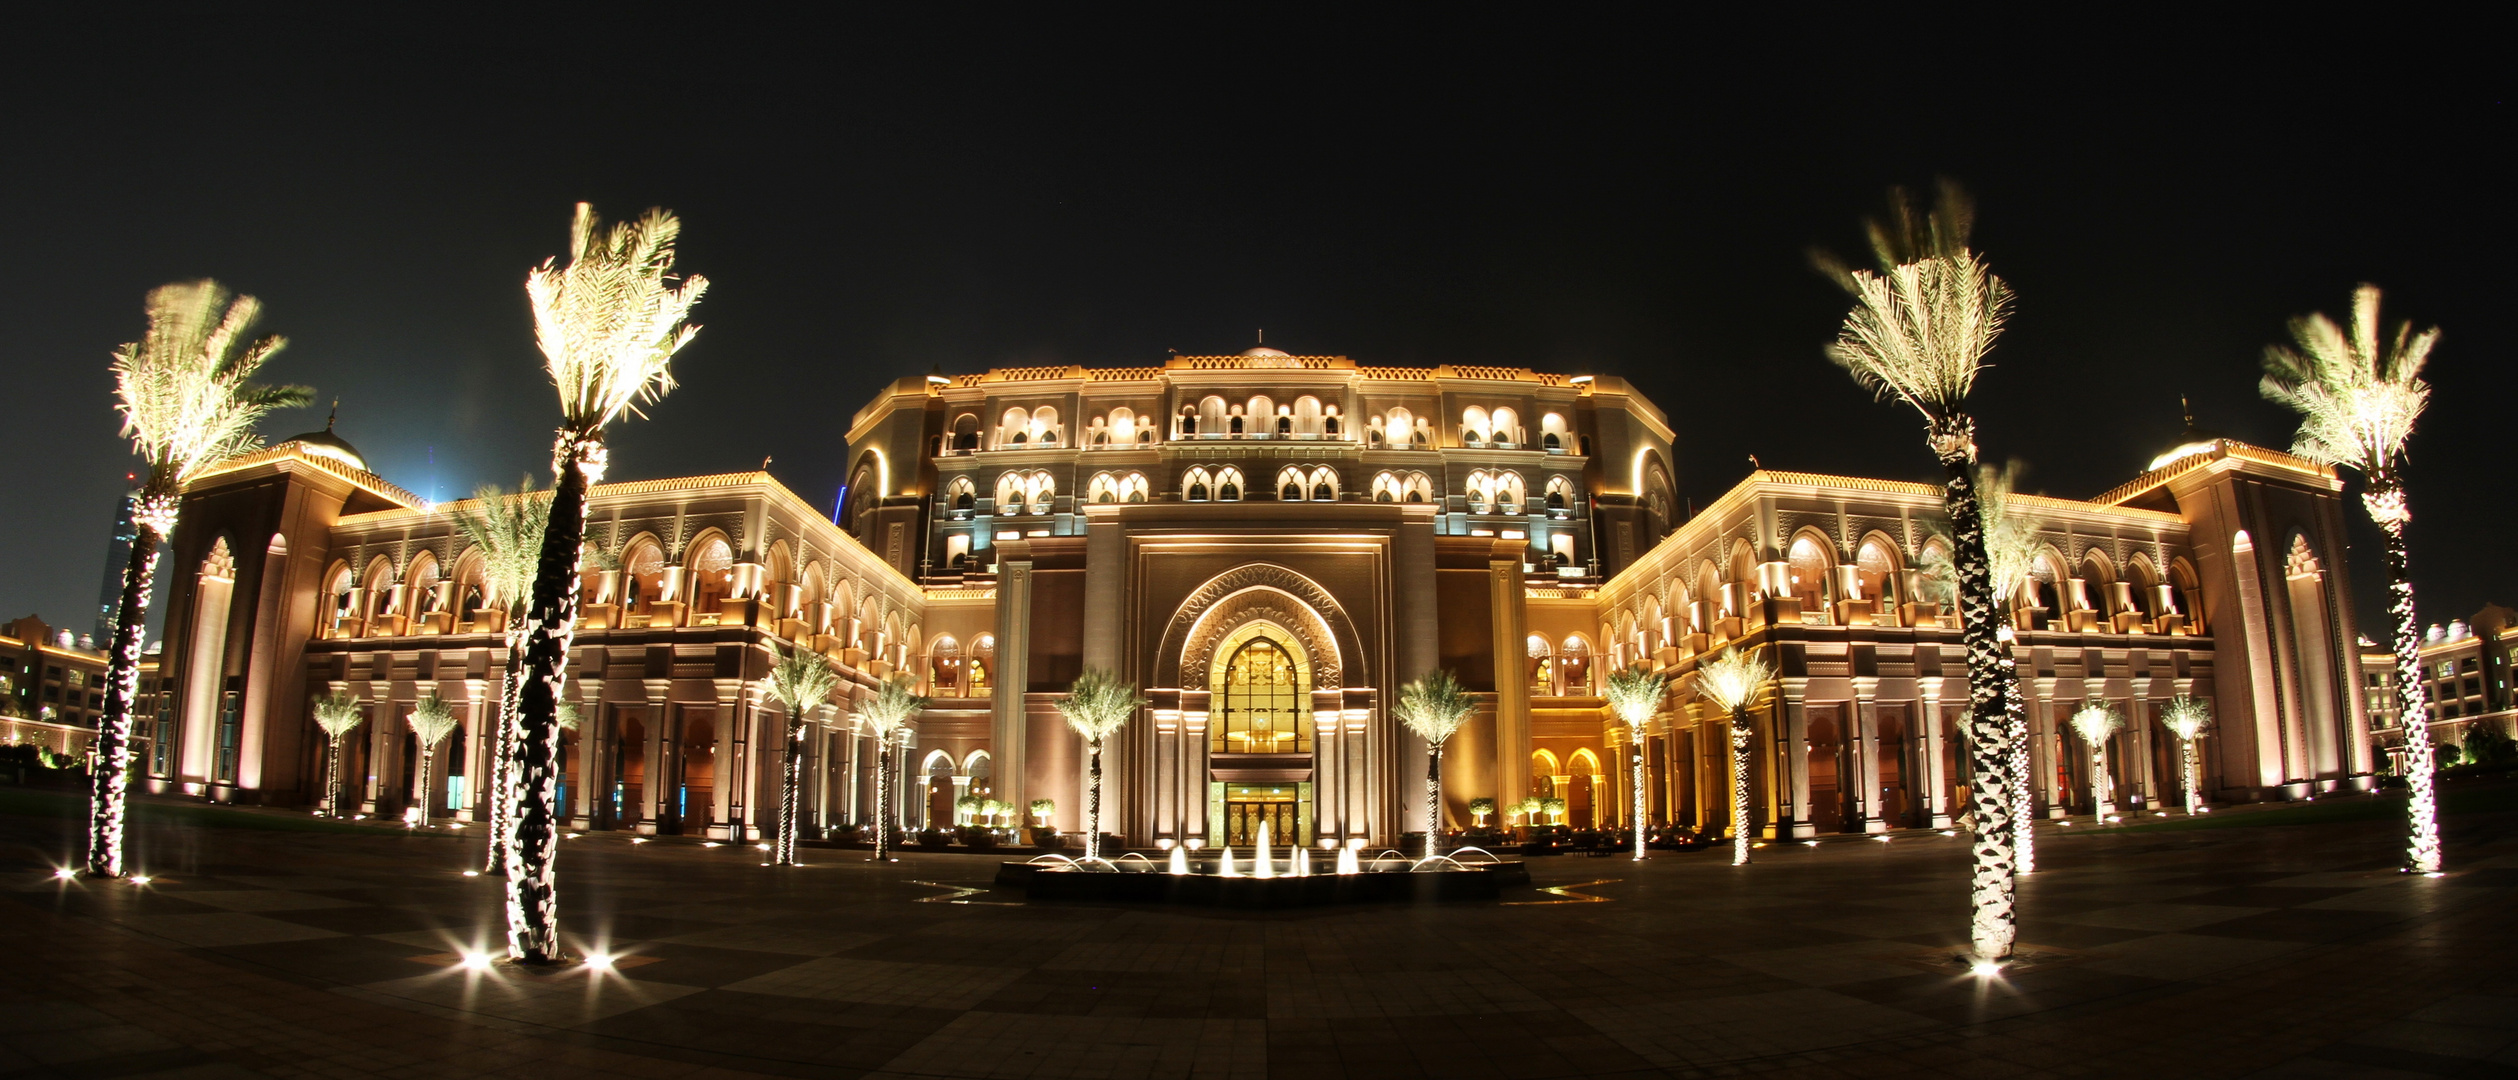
1268 545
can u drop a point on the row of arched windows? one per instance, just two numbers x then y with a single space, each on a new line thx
1262 417
1034 491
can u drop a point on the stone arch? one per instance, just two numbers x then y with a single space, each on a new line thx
1254 592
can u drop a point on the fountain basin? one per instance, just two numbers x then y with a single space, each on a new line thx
1474 881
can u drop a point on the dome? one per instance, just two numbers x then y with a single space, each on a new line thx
2195 441
1265 351
325 444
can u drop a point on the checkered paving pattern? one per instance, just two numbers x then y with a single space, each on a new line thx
2247 952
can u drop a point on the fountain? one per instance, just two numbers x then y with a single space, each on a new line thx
1259 880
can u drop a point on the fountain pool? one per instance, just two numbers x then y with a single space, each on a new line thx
1256 877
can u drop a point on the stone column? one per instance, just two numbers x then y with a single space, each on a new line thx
1793 737
1394 762
1935 778
480 750
656 791
591 778
1508 600
1868 791
2049 746
384 722
1007 719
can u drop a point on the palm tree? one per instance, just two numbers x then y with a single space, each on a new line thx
1918 332
2358 396
1731 682
2097 722
431 721
337 713
508 530
887 714
1635 695
188 406
2187 717
1097 706
1434 707
801 680
608 323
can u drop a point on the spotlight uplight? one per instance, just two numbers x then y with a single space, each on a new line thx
472 873
2434 874
1809 843
710 843
475 960
1881 839
599 961
763 847
139 879
1985 969
64 874
1949 832
638 839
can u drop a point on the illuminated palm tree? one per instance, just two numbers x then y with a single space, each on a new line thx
1731 682
432 720
801 680
337 713
1434 707
2358 396
2097 722
1634 694
887 714
2187 717
508 531
608 323
1918 332
1097 706
188 406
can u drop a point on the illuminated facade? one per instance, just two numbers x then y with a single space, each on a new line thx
1269 545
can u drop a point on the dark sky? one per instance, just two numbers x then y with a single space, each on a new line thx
1587 194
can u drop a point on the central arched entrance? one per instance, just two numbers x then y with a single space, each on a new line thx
1260 737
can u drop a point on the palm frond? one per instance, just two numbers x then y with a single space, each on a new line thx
339 712
1907 234
1434 706
610 321
1634 693
1098 704
2011 539
2096 721
2358 396
186 399
2186 717
432 719
1731 681
892 705
1919 331
508 529
800 679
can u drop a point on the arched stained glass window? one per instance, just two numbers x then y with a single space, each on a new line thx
1264 707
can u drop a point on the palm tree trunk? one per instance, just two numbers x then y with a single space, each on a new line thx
2100 804
2024 795
533 909
1741 733
1995 922
1093 808
790 794
428 758
1638 818
109 789
503 761
2194 778
2385 502
1433 799
883 799
331 803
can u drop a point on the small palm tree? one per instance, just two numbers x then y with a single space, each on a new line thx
1434 707
432 720
2187 718
801 680
508 531
1918 332
337 713
886 715
2358 396
188 406
1635 695
1097 706
1731 682
2096 723
608 323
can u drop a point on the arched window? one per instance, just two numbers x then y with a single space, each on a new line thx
1400 430
1385 488
1045 427
1420 488
1473 426
944 667
1197 485
1541 669
980 671
1039 489
1553 434
1014 428
1560 495
1331 424
1133 488
1508 492
423 583
1123 425
1504 428
2183 589
965 432
711 573
642 574
1481 492
2145 583
1573 666
1875 571
960 495
1324 484
1812 565
1265 703
1289 484
1104 488
1228 484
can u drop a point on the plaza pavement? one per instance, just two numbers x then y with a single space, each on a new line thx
2278 951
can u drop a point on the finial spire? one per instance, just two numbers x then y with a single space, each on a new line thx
2188 409
1263 336
332 416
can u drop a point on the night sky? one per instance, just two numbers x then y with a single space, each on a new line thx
1597 195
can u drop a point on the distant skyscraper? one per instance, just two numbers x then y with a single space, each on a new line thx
117 557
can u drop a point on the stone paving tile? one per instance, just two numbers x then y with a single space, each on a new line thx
224 928
794 941
2162 918
2183 956
879 982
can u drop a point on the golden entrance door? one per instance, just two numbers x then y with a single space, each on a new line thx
1247 806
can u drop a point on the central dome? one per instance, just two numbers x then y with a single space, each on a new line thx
325 444
1265 351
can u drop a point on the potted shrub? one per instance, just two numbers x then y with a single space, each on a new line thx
977 838
934 839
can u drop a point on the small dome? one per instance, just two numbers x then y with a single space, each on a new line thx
1264 351
325 444
2195 441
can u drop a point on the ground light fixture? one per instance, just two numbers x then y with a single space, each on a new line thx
64 874
475 960
139 879
472 873
1986 969
599 961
